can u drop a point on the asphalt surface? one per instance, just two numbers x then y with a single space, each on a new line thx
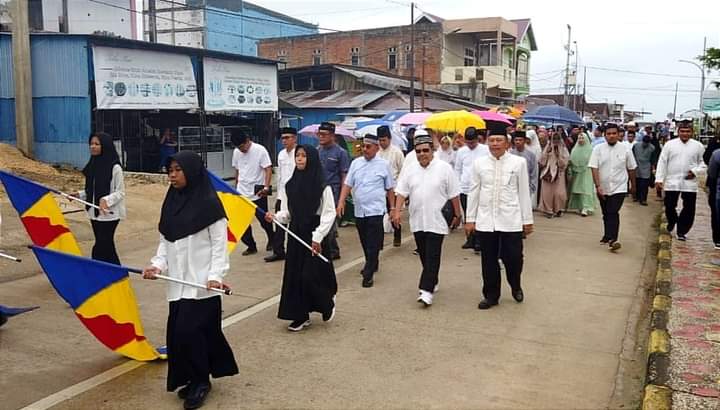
571 344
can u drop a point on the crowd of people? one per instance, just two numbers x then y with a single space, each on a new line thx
488 181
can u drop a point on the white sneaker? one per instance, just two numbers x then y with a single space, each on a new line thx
426 298
437 287
717 246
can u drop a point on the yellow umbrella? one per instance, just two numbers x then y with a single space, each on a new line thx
505 109
454 121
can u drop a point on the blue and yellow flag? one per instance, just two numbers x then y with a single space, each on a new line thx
40 214
239 210
102 298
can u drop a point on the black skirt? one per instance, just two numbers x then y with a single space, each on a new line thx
309 283
196 345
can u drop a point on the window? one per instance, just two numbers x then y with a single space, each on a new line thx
487 54
469 57
392 58
508 57
458 74
355 56
408 60
317 60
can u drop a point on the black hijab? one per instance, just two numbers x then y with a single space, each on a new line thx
305 188
98 170
193 208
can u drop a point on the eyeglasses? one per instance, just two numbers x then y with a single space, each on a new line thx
422 150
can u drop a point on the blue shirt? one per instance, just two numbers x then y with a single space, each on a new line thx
370 181
335 161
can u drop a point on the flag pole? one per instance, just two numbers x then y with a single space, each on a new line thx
225 290
74 198
12 258
297 238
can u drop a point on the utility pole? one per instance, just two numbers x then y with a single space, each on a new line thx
575 87
412 58
702 84
675 102
152 22
422 75
567 68
22 74
583 95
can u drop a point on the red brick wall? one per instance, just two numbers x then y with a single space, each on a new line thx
373 44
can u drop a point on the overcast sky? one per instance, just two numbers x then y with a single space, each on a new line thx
626 35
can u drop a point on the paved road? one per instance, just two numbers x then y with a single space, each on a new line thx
570 345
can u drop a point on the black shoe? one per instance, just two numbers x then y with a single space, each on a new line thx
196 396
268 247
681 238
335 257
486 304
468 245
604 241
329 316
615 246
397 242
183 392
415 252
643 203
670 228
299 325
518 295
274 258
249 251
367 283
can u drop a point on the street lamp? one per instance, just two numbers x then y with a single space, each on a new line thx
702 82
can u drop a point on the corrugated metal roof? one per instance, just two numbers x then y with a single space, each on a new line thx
331 99
6 75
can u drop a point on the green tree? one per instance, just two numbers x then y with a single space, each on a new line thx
712 61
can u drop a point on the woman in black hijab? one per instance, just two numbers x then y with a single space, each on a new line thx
104 187
309 283
193 247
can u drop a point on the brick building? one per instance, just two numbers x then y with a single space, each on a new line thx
457 56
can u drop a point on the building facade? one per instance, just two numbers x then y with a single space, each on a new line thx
222 25
457 56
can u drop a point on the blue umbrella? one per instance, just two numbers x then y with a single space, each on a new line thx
363 124
553 114
392 116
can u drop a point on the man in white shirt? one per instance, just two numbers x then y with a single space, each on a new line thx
499 213
464 160
429 184
612 165
253 173
394 156
678 168
286 167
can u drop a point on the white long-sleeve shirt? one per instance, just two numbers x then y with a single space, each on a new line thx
326 210
429 189
286 167
677 158
115 199
464 160
199 258
395 157
499 199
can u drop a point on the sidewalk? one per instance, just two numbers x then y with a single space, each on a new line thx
694 319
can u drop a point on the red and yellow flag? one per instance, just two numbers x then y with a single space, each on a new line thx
40 214
238 209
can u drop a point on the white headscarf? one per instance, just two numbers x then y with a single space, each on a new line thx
534 144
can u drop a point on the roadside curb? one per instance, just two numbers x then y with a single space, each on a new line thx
657 394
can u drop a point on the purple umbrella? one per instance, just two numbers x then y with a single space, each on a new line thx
313 129
492 116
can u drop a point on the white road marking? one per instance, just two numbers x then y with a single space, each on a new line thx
117 371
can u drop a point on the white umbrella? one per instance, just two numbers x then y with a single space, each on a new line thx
395 133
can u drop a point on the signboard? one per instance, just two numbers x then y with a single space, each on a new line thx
711 102
239 86
127 79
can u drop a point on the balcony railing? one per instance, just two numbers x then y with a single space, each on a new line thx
493 76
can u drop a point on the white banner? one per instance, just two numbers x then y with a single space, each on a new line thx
128 79
239 86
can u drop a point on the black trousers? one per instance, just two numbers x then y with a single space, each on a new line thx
104 248
610 205
370 229
472 238
643 185
247 237
714 213
508 246
429 246
278 242
684 221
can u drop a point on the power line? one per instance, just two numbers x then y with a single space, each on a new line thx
618 70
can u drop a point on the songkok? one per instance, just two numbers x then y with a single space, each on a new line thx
497 128
471 133
519 134
288 130
327 126
684 123
370 139
423 139
383 131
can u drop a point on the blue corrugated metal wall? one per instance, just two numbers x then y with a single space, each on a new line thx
61 99
228 32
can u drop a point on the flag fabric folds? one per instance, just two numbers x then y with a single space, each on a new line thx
239 210
40 213
102 298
